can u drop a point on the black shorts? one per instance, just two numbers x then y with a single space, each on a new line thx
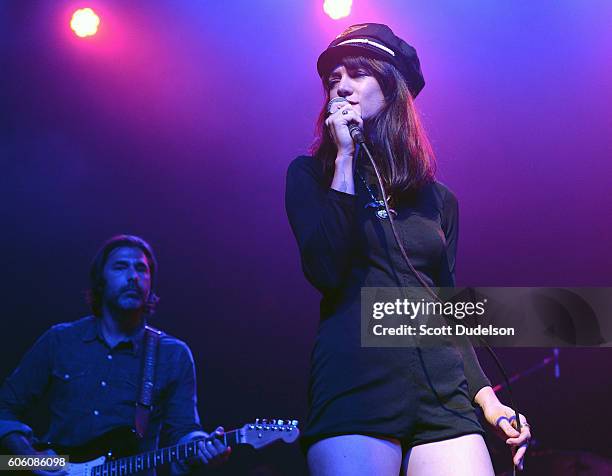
416 396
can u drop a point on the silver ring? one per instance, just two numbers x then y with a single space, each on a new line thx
345 112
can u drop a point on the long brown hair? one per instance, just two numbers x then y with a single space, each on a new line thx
397 139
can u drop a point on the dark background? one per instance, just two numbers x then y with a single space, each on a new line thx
177 121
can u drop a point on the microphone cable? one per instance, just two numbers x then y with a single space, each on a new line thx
359 139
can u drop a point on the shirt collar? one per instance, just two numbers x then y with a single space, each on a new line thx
93 331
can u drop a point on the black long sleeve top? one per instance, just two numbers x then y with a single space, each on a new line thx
343 247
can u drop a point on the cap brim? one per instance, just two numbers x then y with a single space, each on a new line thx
332 56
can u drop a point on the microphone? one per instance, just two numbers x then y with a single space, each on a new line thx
354 129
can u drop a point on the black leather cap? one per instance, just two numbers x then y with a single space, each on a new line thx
377 41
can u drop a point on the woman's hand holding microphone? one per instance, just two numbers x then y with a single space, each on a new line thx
341 115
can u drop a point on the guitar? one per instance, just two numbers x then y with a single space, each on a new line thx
258 434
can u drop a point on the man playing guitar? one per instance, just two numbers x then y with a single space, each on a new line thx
92 369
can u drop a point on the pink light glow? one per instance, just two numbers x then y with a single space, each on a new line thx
85 22
337 9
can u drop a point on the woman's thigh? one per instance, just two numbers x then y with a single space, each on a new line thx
462 456
355 455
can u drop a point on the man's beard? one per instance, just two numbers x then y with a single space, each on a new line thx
123 307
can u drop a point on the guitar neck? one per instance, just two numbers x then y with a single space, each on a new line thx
132 464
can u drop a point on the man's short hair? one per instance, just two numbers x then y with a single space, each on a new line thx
96 271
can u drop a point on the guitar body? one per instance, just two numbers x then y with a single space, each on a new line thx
84 469
114 444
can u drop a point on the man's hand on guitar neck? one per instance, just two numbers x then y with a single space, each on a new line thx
211 451
18 444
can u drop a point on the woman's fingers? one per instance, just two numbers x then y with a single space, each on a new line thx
338 122
518 440
519 456
525 434
344 114
504 423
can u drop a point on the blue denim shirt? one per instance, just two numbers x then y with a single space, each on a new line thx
93 388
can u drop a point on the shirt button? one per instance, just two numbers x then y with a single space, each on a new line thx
109 357
103 383
96 412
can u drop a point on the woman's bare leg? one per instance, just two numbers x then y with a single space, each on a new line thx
355 455
462 456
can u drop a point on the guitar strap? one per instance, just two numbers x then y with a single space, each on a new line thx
144 405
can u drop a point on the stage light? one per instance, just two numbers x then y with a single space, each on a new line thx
337 9
85 22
